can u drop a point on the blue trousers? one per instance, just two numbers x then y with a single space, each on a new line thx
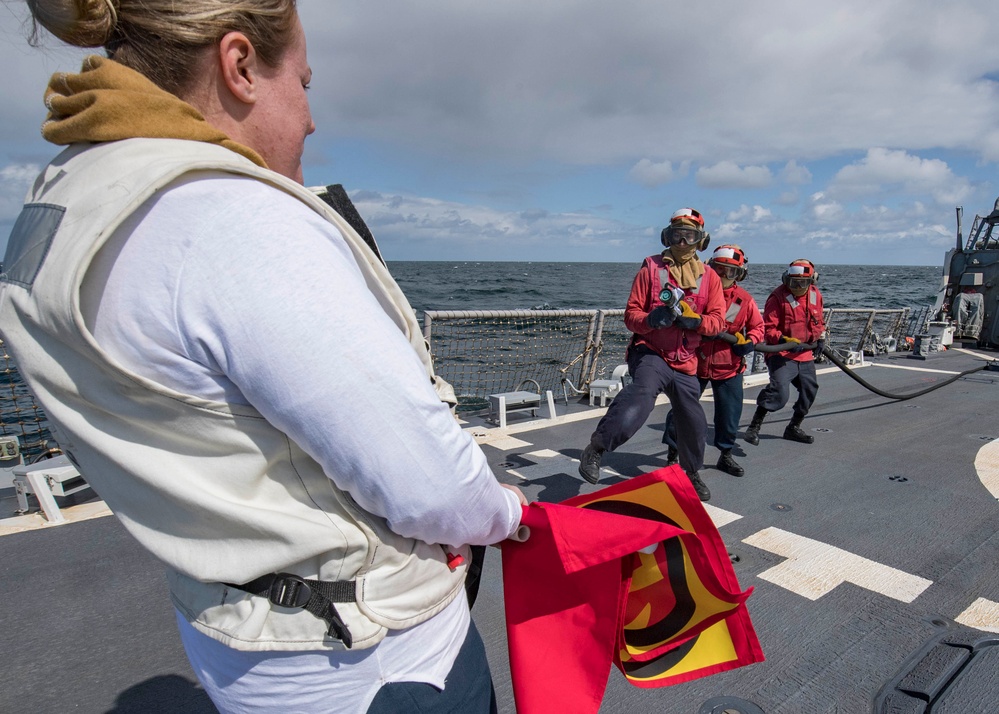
728 411
651 376
467 688
785 373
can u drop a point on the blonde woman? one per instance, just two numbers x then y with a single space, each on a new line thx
186 312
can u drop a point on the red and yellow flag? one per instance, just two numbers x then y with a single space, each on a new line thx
635 574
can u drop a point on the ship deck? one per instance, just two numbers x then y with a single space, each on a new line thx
872 553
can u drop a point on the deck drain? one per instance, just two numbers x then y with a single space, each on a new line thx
898 479
507 464
822 430
780 507
982 437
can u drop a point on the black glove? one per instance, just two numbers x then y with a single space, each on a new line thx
819 347
794 345
688 319
660 317
743 347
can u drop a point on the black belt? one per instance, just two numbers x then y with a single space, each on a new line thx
315 596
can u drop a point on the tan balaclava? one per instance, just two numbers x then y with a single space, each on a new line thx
684 266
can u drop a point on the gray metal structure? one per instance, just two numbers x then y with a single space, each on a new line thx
974 265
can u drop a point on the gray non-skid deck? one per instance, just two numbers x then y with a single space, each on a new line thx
865 550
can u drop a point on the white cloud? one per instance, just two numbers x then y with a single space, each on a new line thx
517 121
781 80
415 227
824 210
655 173
794 175
15 179
883 170
727 174
750 213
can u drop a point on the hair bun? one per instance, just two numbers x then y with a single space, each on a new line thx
83 23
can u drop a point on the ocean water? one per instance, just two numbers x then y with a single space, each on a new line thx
450 285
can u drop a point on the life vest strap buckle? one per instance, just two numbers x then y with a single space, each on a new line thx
288 590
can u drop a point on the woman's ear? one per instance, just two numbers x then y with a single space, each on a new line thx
238 62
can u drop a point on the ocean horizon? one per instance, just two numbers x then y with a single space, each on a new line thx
524 285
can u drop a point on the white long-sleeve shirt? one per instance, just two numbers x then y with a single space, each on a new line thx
230 290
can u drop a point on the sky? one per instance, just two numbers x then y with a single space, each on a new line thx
844 131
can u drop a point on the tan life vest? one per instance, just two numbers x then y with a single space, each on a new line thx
211 489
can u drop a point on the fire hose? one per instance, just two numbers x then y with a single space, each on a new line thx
838 361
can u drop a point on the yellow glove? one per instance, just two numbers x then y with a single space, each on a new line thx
793 343
688 319
742 346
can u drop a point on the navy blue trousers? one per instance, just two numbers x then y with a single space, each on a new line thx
651 376
728 411
785 373
467 688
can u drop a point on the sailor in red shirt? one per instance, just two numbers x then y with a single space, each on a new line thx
674 300
792 315
721 364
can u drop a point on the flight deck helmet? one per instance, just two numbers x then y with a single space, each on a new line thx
799 276
686 226
729 262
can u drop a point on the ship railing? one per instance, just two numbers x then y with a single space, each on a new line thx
483 352
20 415
865 330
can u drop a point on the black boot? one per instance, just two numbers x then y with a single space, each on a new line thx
793 432
702 491
753 432
589 463
672 455
727 464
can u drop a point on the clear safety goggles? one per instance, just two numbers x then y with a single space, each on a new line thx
729 272
798 283
684 236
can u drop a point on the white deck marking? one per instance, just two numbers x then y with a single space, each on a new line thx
813 569
36 521
759 378
979 355
503 440
498 440
914 369
720 516
982 614
552 462
987 466
755 380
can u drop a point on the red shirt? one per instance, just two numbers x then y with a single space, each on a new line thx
715 359
674 344
784 314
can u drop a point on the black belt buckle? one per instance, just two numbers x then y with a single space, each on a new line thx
288 590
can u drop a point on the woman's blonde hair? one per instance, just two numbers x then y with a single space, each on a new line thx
161 38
